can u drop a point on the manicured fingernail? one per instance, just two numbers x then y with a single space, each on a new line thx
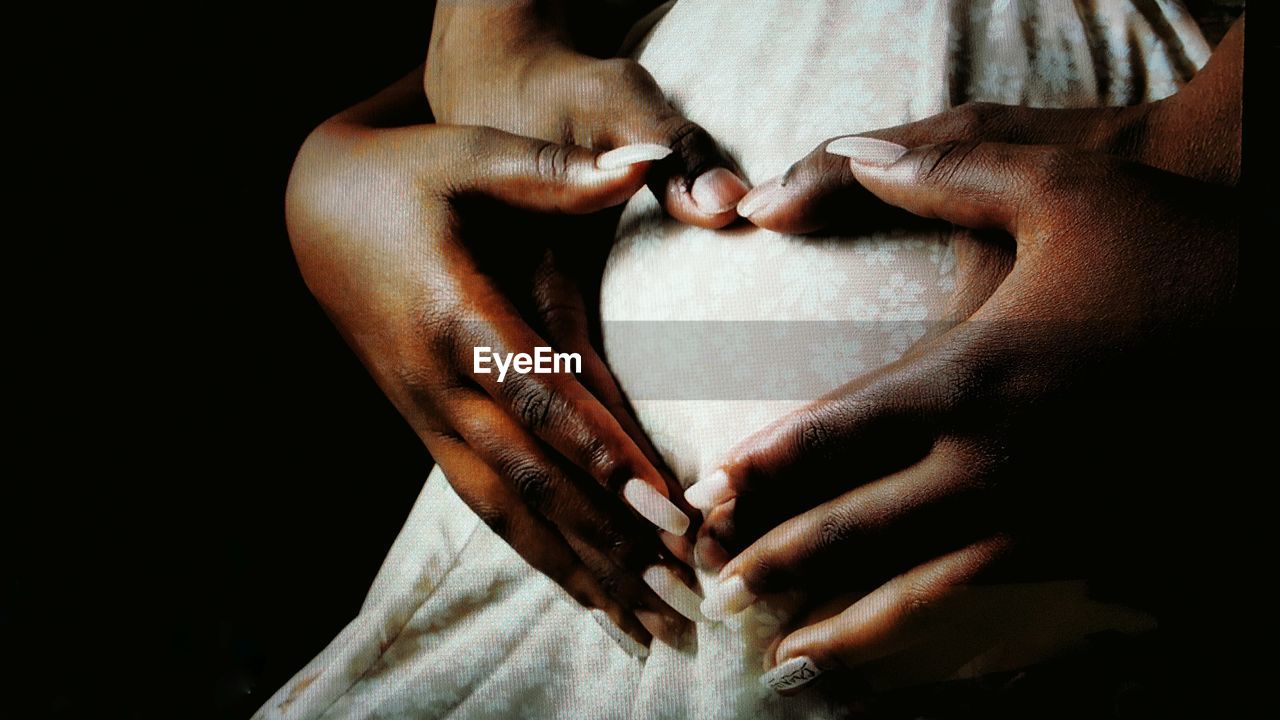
727 598
674 592
625 641
794 673
708 492
709 554
630 155
867 151
760 197
717 191
654 507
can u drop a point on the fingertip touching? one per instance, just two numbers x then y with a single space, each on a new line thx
816 192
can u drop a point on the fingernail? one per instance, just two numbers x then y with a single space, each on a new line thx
654 507
717 191
867 151
794 673
674 592
708 492
709 554
630 155
759 197
625 641
727 598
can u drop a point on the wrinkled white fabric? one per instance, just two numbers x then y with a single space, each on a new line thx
456 625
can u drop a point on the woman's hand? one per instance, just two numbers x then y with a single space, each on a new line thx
1023 444
512 65
425 242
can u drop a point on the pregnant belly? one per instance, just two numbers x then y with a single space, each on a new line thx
712 334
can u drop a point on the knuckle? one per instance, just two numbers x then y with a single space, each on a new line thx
532 481
918 604
690 143
415 378
814 434
613 585
945 164
1056 169
623 548
836 528
531 402
436 324
493 516
760 573
562 320
915 604
552 161
974 119
615 72
472 141
601 459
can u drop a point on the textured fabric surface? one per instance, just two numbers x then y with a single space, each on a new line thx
456 625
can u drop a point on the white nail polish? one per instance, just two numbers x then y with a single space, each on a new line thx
794 673
867 151
630 155
654 507
625 641
717 191
708 492
674 592
760 197
727 598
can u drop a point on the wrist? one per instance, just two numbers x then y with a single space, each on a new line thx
479 53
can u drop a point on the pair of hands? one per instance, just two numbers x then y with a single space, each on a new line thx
941 512
400 232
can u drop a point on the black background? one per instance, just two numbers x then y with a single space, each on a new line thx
205 480
217 479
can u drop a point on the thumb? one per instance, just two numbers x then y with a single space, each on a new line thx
698 184
974 184
817 192
548 177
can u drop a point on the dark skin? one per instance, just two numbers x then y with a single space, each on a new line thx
519 66
1194 133
983 515
530 457
402 231
886 503
542 500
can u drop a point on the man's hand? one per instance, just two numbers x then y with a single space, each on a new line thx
997 452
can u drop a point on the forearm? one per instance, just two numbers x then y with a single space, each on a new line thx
507 35
1199 127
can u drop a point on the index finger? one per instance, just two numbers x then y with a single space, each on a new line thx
538 387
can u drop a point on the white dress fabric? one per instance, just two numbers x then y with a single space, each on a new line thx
456 625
